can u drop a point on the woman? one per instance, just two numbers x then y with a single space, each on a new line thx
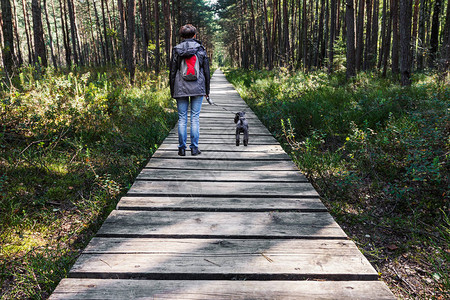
189 82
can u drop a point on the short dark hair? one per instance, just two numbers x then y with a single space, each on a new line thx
188 31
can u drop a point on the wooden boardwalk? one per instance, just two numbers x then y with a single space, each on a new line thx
232 223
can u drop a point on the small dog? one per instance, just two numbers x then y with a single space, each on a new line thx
241 127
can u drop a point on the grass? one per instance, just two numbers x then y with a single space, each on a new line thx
378 154
71 143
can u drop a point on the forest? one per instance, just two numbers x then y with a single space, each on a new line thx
356 91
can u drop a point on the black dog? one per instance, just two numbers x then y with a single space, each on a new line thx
241 126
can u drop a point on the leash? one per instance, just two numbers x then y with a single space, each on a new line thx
213 103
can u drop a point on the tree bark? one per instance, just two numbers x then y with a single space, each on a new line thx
287 48
145 36
405 41
38 31
267 36
8 37
105 33
72 31
434 38
56 33
16 33
65 29
332 36
350 21
395 36
368 44
55 65
388 41
167 30
374 39
131 9
360 36
99 34
157 53
26 20
121 9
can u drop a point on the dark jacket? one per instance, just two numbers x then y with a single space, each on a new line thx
180 87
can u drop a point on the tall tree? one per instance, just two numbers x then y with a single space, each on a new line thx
332 36
395 36
157 53
131 10
360 35
27 26
16 34
8 36
434 37
50 35
350 21
167 30
73 31
38 32
405 41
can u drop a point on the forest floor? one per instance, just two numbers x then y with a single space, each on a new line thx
378 154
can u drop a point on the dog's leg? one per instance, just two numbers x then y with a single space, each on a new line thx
246 136
237 136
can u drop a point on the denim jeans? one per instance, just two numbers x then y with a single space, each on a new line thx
196 106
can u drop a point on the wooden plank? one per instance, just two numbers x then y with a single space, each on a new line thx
230 176
220 188
222 259
225 155
96 289
222 204
228 165
228 148
229 139
191 224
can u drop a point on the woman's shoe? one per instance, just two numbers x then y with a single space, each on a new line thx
195 151
181 152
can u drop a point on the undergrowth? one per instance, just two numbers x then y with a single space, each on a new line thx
71 142
378 154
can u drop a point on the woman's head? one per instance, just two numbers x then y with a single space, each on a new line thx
188 31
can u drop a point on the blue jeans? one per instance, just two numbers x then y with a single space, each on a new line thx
196 106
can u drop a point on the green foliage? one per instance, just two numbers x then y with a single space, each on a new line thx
71 144
377 153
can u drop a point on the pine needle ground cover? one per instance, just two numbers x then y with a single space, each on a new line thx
379 156
71 143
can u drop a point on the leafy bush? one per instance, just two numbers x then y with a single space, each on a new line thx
71 144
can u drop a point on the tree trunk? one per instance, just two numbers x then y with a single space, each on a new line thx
50 35
368 47
38 31
26 20
91 29
72 31
446 44
332 36
414 32
374 39
434 39
383 34
113 42
421 37
99 34
405 41
395 36
56 33
253 35
320 40
388 41
145 36
267 36
8 37
287 48
131 9
157 58
305 37
16 33
122 28
350 21
65 29
167 30
360 35
105 33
